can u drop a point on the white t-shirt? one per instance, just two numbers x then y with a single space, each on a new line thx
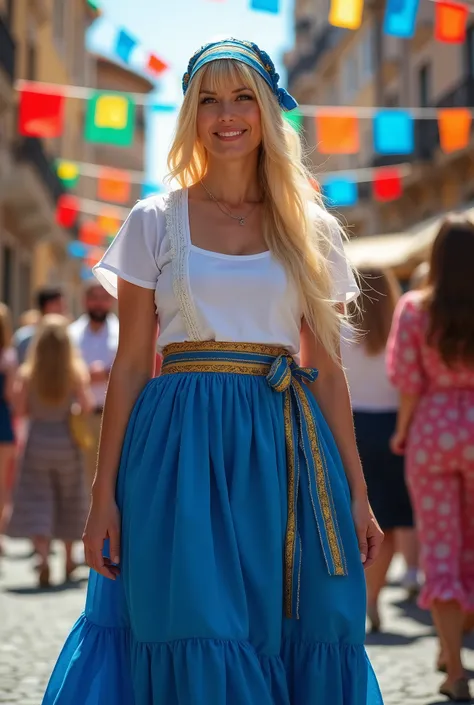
369 385
203 295
96 346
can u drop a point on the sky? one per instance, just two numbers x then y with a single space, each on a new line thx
173 30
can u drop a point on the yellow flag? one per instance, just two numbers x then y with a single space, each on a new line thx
346 13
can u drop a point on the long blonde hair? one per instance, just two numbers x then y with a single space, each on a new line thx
378 297
5 326
299 240
53 367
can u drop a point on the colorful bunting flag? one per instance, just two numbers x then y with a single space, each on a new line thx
125 45
450 22
400 18
93 256
294 118
149 189
454 125
387 184
67 209
340 192
91 234
94 4
394 132
265 5
110 118
346 13
114 186
77 249
109 223
86 273
68 173
337 133
41 114
156 65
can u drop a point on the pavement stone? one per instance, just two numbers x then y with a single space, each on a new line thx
34 624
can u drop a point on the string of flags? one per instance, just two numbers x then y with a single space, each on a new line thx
450 18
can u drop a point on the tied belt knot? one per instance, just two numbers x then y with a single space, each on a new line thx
307 470
302 443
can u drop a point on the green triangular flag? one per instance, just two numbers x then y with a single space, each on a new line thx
110 118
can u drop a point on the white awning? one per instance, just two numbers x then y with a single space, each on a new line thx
398 249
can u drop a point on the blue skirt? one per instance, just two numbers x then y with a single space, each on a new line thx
210 559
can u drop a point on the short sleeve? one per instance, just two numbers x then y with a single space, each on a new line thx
344 286
135 251
404 360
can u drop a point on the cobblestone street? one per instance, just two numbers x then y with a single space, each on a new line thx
33 625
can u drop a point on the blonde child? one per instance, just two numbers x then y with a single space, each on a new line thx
50 500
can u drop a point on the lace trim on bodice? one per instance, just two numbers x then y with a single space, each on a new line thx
175 214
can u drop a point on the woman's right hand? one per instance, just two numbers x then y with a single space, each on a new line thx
102 523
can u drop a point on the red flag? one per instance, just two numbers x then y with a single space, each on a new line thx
91 234
387 184
156 65
67 209
41 114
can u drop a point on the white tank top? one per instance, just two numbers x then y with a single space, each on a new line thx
203 295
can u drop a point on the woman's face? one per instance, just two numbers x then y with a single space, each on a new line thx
228 120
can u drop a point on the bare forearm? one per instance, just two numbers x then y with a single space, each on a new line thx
332 394
123 390
408 404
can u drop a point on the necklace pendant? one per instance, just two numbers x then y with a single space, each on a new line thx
241 221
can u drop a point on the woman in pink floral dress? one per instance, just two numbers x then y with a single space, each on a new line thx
431 361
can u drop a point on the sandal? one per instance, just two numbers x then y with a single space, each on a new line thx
458 692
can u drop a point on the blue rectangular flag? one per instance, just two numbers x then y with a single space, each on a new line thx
400 18
340 192
265 5
125 45
394 132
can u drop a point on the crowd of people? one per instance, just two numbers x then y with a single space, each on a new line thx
53 378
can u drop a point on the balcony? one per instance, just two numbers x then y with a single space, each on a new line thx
7 65
32 191
31 150
327 38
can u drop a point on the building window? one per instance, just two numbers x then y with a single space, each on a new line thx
349 79
31 61
25 286
59 22
424 85
7 275
392 101
469 52
367 54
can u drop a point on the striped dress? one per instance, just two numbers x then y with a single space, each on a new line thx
50 497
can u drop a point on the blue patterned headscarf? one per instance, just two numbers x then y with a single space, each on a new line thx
247 53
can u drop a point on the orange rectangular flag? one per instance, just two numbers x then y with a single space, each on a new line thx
337 133
454 125
114 186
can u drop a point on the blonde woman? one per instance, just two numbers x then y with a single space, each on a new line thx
241 525
50 499
8 365
375 405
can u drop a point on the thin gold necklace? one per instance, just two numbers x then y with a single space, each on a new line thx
240 218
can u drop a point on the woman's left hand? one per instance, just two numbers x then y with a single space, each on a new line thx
369 534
